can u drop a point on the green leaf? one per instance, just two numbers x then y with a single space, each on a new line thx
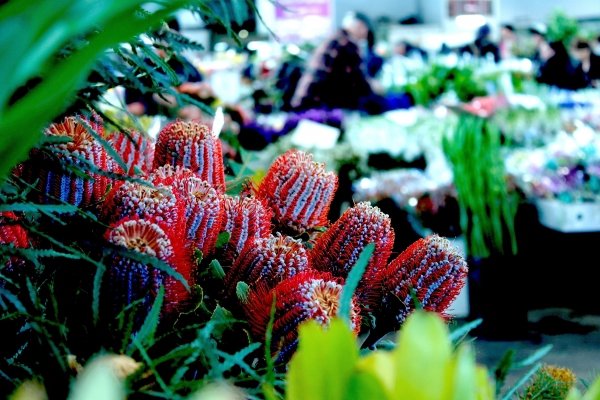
422 357
535 357
242 290
352 281
462 331
145 336
324 363
222 239
364 385
524 379
503 368
217 269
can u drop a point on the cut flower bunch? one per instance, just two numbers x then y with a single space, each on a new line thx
175 244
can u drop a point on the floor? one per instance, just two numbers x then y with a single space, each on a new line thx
575 340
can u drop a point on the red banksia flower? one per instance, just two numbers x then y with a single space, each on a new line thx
170 176
204 213
267 261
135 200
337 250
130 279
136 150
246 219
13 233
192 145
54 181
298 190
432 268
306 296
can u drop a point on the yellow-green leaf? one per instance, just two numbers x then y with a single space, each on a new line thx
324 362
422 358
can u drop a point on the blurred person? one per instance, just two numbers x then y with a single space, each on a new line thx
588 68
542 50
337 75
558 70
508 40
405 49
482 46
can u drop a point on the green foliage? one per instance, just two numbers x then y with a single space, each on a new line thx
422 365
36 57
487 209
352 281
71 53
439 79
562 28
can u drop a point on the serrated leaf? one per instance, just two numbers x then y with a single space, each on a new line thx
241 291
460 332
352 281
145 336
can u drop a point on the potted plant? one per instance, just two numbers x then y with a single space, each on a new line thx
487 216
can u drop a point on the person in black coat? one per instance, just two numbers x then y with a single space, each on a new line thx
338 74
483 45
559 70
588 68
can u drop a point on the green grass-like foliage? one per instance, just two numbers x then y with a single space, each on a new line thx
487 209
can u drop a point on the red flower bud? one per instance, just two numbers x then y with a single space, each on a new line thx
246 219
204 213
267 261
337 250
298 190
192 145
306 296
13 233
170 176
130 279
136 150
132 199
431 267
54 181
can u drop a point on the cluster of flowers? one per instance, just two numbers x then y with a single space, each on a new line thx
184 208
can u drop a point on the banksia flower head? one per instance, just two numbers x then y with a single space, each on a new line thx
246 219
53 181
131 279
136 150
192 145
167 175
13 233
431 267
550 382
311 295
135 200
298 190
337 250
204 213
267 261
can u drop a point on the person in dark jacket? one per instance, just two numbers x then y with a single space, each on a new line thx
336 76
588 68
558 70
483 45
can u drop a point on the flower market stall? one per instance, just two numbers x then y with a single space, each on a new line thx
172 226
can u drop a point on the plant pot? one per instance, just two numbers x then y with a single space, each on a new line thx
497 295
